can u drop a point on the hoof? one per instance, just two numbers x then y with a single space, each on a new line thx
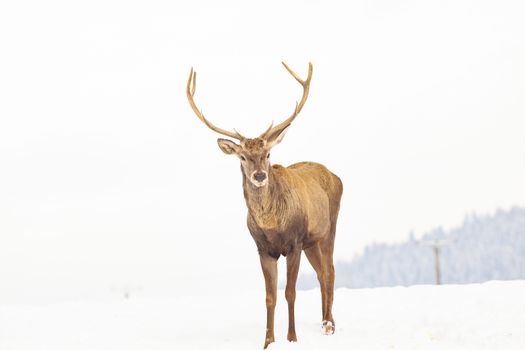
267 342
328 328
269 338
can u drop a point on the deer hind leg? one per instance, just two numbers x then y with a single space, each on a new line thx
327 254
317 260
327 257
293 260
328 265
269 267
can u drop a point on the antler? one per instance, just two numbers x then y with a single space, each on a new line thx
190 91
273 130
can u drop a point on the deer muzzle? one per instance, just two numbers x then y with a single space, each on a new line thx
259 178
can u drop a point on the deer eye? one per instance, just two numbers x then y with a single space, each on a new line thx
268 156
243 159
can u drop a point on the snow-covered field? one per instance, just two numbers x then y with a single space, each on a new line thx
477 316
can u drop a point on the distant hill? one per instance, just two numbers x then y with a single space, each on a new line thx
484 248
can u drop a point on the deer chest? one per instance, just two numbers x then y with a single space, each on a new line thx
276 237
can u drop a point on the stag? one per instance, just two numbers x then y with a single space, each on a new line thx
290 209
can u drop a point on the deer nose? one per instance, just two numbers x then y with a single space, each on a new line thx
260 176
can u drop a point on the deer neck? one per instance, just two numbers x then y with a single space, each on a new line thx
266 204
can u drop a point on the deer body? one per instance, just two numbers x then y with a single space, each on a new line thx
290 210
293 211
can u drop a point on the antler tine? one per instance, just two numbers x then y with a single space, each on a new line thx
298 105
190 91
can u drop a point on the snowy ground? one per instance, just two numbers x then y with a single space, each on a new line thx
478 316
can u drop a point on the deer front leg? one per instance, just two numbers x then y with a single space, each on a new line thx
269 267
292 264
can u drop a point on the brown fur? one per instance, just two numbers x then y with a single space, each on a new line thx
297 210
289 210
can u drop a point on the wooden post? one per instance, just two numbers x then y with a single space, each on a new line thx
436 245
438 269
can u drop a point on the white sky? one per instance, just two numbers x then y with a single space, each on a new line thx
108 178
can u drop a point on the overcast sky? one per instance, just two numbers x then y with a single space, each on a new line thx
107 177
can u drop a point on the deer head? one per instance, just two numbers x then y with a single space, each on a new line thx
254 154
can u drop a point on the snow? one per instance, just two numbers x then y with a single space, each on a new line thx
476 316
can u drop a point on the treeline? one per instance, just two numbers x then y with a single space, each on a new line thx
484 248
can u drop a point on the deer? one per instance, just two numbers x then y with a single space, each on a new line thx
290 210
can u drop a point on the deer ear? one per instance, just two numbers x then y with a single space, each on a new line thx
228 147
277 138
